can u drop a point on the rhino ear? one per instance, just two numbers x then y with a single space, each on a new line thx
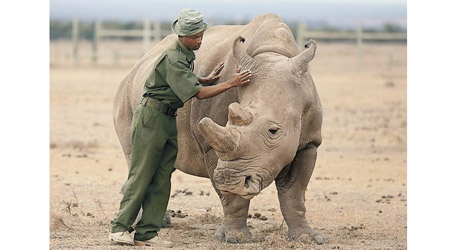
301 61
239 52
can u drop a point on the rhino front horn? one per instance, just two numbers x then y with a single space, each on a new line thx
221 139
238 116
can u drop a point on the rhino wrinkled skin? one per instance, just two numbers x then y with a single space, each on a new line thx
247 137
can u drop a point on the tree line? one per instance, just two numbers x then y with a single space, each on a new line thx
63 29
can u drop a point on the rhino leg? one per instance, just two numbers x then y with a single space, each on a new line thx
235 209
291 185
234 225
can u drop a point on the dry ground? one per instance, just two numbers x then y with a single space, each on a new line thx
357 196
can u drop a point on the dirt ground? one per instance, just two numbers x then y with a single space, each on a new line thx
357 197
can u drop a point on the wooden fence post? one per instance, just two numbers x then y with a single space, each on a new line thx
359 34
95 41
75 40
146 36
156 32
301 29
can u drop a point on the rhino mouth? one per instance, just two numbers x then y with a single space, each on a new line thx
233 180
246 189
247 196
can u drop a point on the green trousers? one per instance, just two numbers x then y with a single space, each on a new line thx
154 150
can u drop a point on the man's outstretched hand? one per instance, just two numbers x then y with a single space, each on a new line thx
240 78
214 75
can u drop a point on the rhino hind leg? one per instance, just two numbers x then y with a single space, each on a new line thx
234 225
291 185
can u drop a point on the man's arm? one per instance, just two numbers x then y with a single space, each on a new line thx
203 80
238 79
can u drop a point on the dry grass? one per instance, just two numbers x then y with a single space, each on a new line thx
362 159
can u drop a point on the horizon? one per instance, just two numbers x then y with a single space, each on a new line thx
343 14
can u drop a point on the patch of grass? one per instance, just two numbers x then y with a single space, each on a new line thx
82 145
210 219
57 222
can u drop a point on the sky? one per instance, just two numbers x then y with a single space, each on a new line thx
337 13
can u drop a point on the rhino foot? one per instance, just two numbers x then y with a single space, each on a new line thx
166 220
241 235
304 235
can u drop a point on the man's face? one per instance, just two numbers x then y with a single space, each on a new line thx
192 42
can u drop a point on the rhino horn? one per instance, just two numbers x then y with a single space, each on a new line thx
239 52
238 116
306 56
221 139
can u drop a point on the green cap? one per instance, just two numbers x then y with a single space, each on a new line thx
189 22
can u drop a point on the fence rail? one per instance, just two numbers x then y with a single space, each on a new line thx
152 32
352 35
358 35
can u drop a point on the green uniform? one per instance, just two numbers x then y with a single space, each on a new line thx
154 142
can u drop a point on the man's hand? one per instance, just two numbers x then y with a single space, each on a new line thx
214 75
240 78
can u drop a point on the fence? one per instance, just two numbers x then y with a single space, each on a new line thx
152 32
358 35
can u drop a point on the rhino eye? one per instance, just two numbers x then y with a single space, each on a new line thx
273 130
272 136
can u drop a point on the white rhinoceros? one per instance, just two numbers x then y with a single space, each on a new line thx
247 137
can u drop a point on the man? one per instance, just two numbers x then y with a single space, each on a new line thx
154 133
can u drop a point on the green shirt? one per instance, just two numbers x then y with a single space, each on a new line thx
171 80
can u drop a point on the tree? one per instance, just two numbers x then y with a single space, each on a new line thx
392 27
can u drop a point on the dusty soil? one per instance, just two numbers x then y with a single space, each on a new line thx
357 197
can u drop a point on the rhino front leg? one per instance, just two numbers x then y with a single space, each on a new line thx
234 225
235 209
291 185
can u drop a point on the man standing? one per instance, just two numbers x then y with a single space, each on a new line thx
154 133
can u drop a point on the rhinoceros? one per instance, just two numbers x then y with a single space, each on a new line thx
247 137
